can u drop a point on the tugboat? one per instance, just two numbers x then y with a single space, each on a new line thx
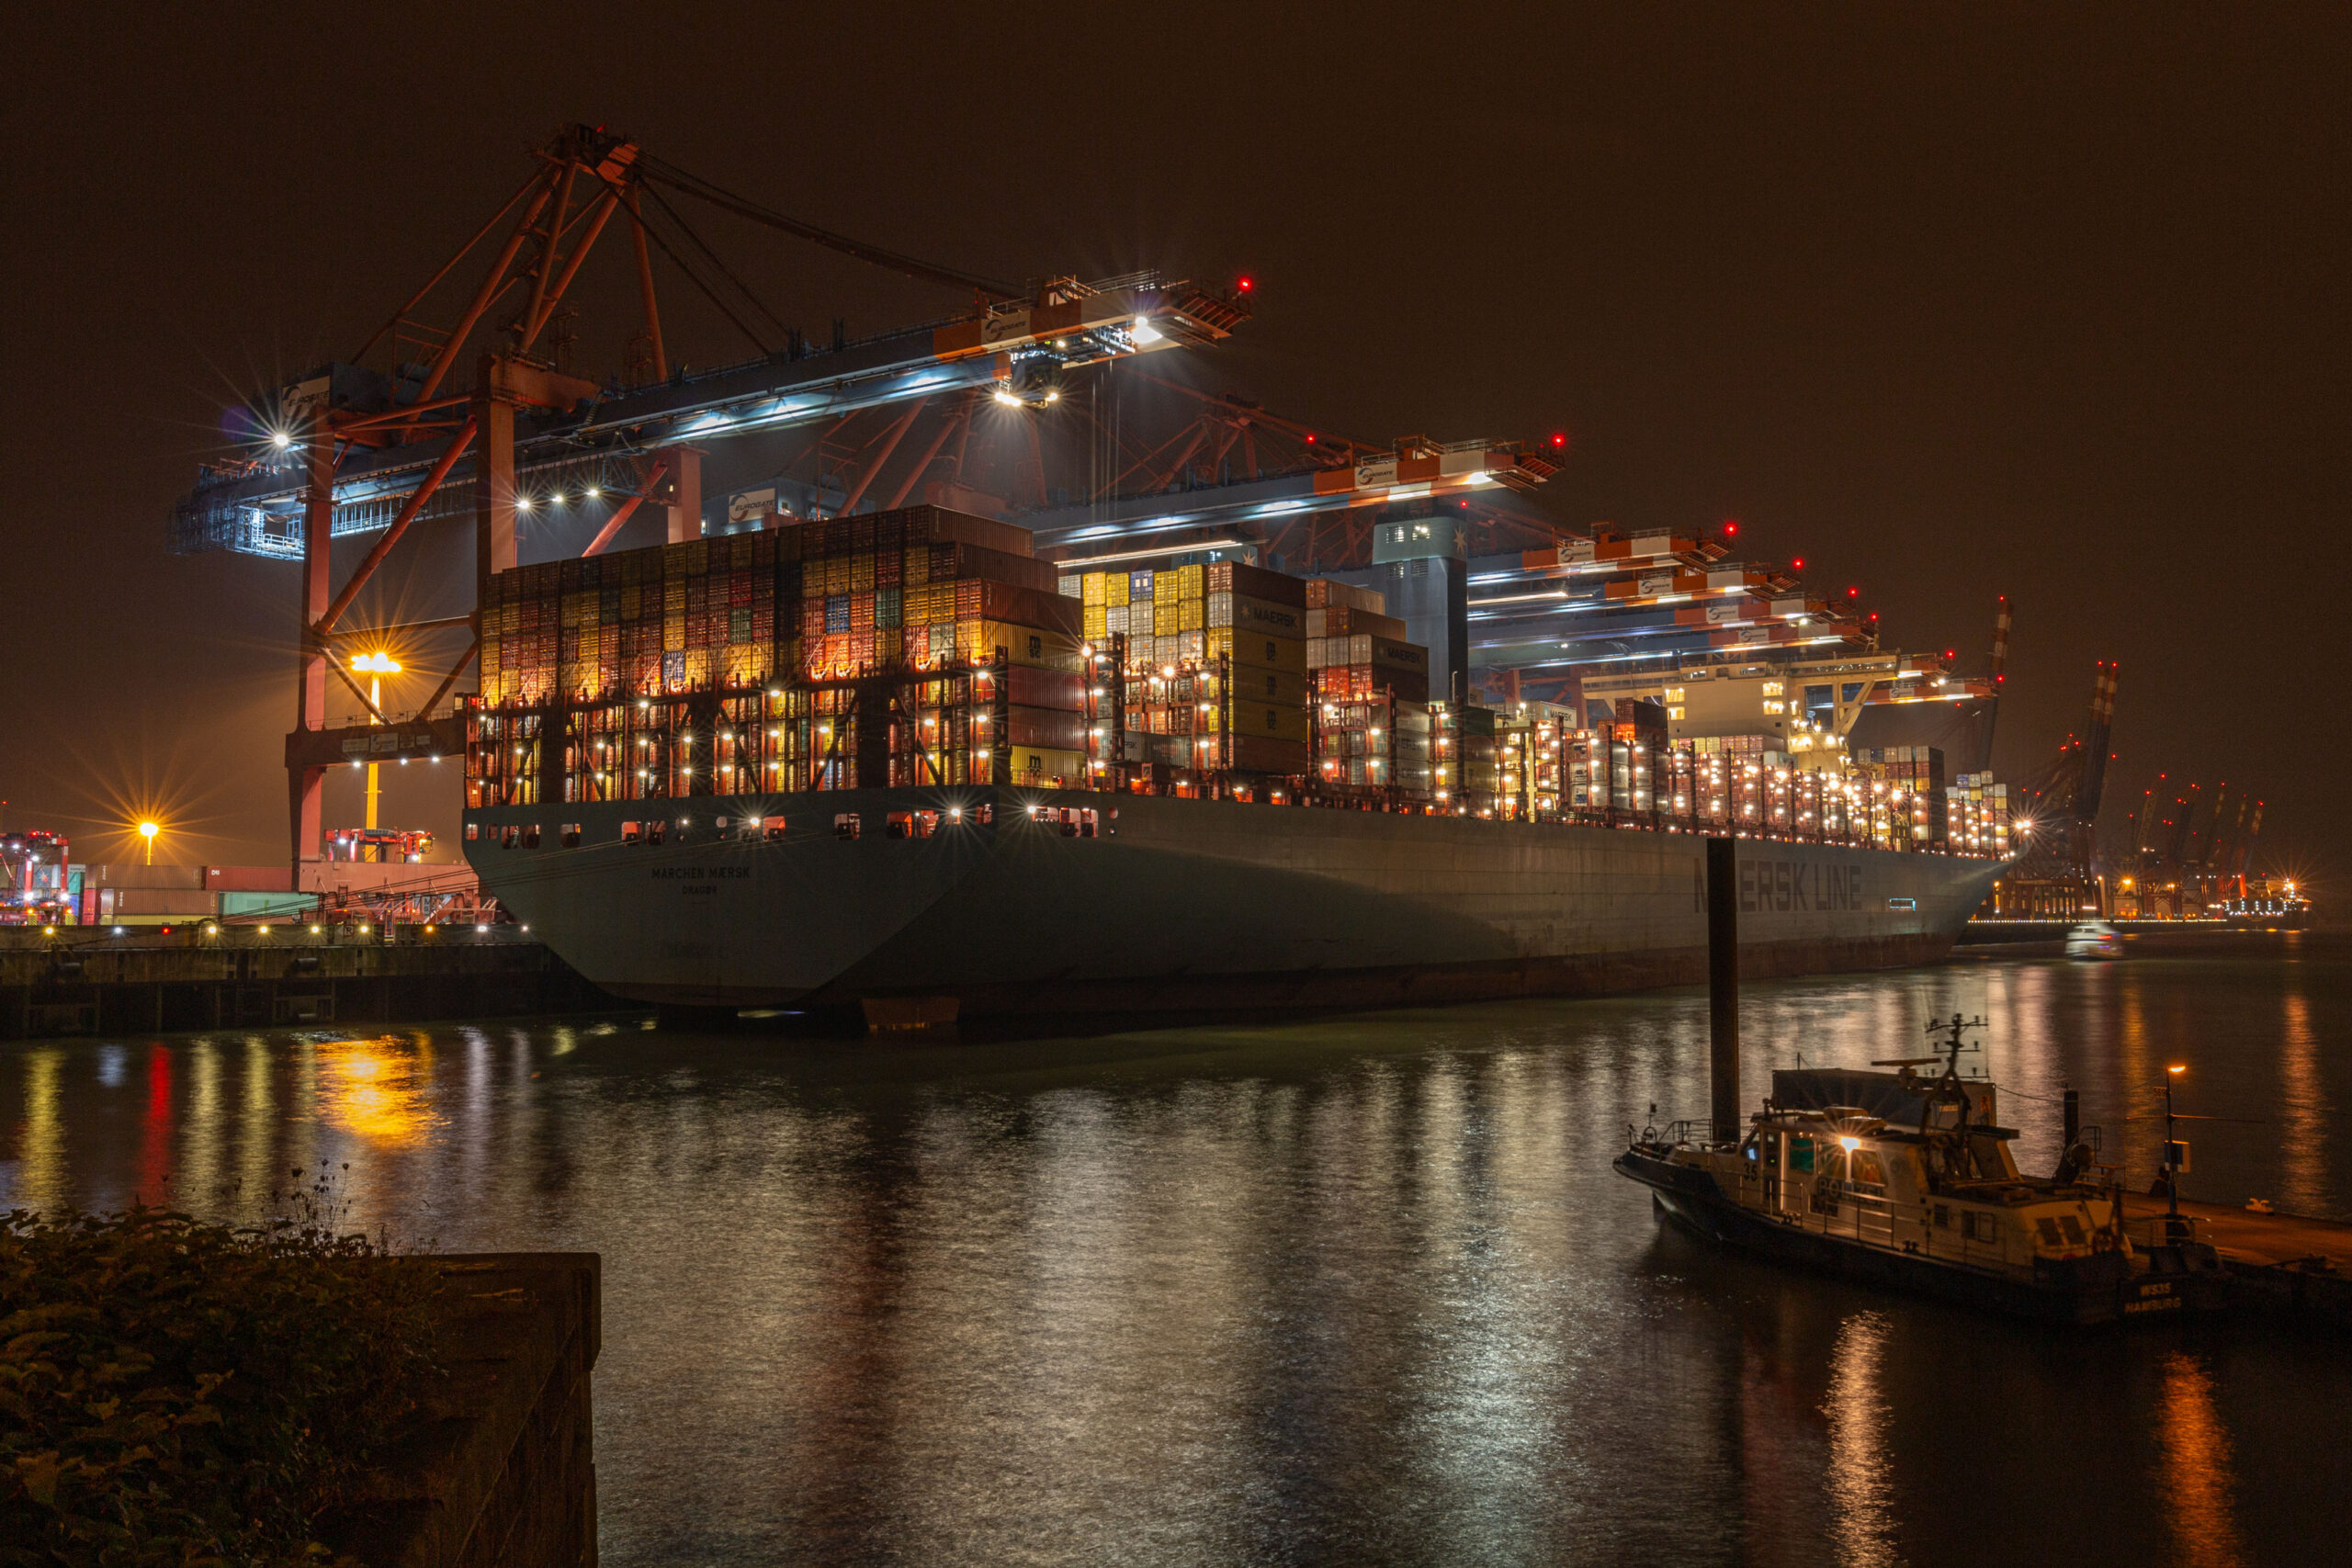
1908 1180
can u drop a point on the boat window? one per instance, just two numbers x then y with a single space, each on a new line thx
1865 1170
773 827
571 835
473 831
1943 1216
1800 1153
628 833
2048 1228
530 835
654 829
1772 1151
2076 1236
506 836
846 825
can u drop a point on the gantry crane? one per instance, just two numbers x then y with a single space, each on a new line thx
350 450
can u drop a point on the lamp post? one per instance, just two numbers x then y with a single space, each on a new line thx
375 666
2172 1159
148 831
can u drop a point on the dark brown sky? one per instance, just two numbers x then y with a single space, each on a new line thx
1950 300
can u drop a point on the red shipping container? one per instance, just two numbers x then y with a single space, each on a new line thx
1060 689
1046 727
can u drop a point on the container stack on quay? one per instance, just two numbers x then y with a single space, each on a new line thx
918 646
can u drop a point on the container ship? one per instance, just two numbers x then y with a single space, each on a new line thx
895 762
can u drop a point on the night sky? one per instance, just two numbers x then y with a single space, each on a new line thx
1952 301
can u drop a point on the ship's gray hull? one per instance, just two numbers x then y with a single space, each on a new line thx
1180 904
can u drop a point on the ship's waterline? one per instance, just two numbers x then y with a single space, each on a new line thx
1024 902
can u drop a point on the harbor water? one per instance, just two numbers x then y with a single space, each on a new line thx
1360 1289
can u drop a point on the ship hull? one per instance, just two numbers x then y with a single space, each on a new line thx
1167 905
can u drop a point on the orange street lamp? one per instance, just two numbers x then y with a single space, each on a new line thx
148 831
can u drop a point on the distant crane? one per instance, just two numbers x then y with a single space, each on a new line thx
2061 801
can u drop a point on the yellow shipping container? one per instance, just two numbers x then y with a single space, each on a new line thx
1179 582
747 663
917 567
698 667
1163 618
1089 590
1114 589
1258 650
630 596
1275 721
1036 646
1286 688
1092 619
1189 615
673 632
861 572
1040 764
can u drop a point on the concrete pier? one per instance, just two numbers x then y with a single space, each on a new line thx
86 980
2291 1262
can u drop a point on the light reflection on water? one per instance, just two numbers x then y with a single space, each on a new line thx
1356 1290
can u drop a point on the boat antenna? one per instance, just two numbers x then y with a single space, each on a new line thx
1953 1043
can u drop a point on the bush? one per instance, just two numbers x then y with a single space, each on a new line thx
183 1392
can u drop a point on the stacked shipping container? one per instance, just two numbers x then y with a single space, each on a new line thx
1215 664
916 646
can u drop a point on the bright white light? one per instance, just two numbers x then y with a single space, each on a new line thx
1145 332
522 503
595 491
1053 397
280 440
1004 397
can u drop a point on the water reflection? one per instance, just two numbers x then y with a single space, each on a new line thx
2195 1482
1356 1291
378 1088
1860 1492
2304 1108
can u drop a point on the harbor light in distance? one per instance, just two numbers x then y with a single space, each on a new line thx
148 831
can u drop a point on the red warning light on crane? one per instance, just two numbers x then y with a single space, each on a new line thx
1798 563
1853 593
1245 286
1731 525
1559 438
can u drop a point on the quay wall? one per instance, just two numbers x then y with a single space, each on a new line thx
502 1470
99 983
